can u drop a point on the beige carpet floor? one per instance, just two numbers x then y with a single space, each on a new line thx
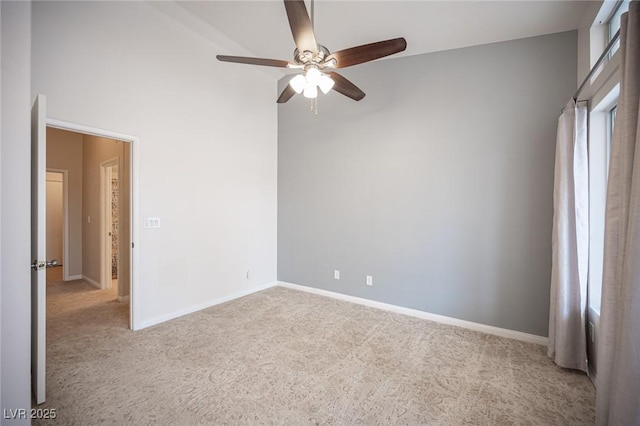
287 357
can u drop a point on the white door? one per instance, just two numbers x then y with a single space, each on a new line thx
38 247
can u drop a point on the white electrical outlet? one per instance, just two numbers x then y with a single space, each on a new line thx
336 275
152 222
369 280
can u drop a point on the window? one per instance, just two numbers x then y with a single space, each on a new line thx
611 119
613 23
603 100
601 123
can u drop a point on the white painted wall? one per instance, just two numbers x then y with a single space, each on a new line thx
207 130
15 305
96 151
64 152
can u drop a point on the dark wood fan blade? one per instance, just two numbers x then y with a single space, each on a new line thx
300 24
286 94
254 61
344 86
367 52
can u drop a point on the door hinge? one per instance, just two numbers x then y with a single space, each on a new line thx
133 245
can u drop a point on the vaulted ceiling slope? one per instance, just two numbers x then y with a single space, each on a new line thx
261 26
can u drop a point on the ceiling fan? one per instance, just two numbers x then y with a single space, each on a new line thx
315 61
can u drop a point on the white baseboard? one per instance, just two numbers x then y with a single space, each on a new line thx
224 299
497 331
94 283
123 299
74 277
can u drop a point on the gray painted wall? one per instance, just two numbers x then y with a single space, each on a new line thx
439 183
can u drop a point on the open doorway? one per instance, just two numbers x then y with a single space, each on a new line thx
98 210
44 155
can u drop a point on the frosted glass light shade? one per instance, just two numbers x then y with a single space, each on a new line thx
325 83
298 83
313 76
311 91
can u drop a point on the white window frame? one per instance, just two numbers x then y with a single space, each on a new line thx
613 23
611 119
600 131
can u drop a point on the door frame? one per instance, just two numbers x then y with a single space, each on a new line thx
134 141
105 221
65 221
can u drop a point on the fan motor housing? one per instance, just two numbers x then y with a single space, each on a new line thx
307 57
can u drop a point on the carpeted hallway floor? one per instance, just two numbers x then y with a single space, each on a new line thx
287 357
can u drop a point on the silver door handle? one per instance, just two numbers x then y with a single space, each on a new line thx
38 266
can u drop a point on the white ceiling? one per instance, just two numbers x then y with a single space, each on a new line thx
261 27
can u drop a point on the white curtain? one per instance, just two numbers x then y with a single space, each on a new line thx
618 378
570 239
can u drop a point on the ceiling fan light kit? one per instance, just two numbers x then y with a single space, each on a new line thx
309 82
313 59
